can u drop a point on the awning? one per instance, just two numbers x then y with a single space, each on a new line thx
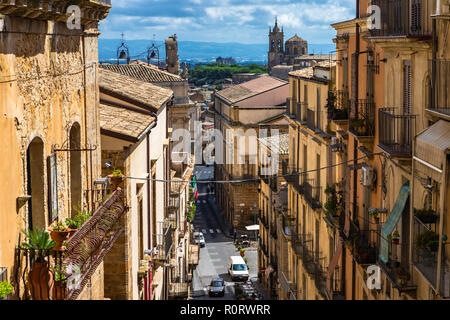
392 221
432 144
252 228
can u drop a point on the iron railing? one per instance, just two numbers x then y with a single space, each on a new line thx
425 256
362 118
396 132
164 242
288 224
338 105
178 290
62 275
403 18
289 287
440 94
313 194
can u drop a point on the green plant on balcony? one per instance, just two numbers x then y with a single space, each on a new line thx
375 214
426 216
40 278
331 206
190 212
38 240
5 289
427 240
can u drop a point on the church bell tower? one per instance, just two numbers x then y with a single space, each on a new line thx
276 46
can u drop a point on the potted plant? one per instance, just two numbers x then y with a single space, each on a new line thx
5 290
396 237
116 178
375 215
59 233
40 278
427 240
60 287
242 252
426 216
73 225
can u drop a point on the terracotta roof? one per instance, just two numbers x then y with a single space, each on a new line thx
144 72
250 88
295 38
281 146
124 121
316 57
309 72
133 90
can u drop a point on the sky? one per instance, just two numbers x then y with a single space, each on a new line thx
242 21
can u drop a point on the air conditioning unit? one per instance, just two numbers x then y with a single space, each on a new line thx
367 176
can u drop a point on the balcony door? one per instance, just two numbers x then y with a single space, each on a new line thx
35 184
406 132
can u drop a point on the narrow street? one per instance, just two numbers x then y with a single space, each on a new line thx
219 245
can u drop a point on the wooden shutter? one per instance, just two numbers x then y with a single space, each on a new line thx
354 85
407 87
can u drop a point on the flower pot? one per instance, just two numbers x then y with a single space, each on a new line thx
40 281
242 253
396 241
59 237
115 181
377 220
72 232
60 290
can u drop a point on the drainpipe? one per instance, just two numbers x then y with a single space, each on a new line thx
441 220
147 134
85 107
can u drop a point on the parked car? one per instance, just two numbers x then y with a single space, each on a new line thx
237 269
199 239
217 287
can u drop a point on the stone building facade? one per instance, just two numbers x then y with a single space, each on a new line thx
242 110
49 124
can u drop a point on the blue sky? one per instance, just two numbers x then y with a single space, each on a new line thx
244 21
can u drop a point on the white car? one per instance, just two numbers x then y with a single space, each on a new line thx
237 269
199 239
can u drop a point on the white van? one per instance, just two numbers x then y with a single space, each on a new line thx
237 268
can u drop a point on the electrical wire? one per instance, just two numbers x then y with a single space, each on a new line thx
256 179
42 74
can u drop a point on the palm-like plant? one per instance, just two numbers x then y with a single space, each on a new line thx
38 239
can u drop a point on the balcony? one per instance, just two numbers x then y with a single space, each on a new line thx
178 291
273 230
62 275
338 105
396 132
288 224
164 242
403 18
93 10
425 257
440 96
289 287
362 118
313 194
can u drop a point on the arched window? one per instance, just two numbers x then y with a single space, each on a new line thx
75 169
279 45
36 184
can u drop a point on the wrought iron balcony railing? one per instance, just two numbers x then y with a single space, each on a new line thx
362 118
440 93
289 287
338 105
407 18
62 275
313 194
425 256
164 242
178 290
396 132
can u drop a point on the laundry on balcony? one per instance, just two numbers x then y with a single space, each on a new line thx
392 221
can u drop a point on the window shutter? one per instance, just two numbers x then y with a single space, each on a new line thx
407 87
354 85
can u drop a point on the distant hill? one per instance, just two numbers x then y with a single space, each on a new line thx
199 52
